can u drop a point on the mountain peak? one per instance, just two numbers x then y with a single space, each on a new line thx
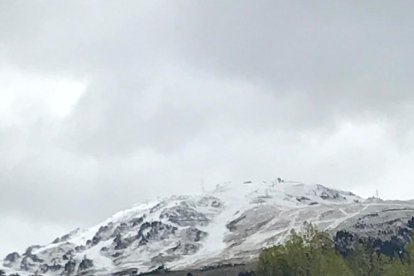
229 224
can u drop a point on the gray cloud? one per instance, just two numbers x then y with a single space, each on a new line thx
183 90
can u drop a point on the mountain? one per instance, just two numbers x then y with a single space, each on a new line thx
229 225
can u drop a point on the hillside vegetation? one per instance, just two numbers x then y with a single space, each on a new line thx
315 253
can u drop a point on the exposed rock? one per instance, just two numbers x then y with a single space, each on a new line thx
11 259
136 221
30 260
79 248
66 237
230 225
53 267
155 230
411 223
103 233
184 215
122 243
85 264
70 267
158 207
122 228
195 235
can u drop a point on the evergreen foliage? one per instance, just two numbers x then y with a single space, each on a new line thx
314 253
311 253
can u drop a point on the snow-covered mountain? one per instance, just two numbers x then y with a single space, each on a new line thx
228 225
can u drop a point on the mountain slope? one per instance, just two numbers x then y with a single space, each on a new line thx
228 225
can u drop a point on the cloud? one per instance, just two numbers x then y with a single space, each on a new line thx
106 104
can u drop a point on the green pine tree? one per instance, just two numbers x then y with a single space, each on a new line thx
309 254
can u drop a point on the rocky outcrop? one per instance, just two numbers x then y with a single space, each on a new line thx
154 230
230 225
85 264
70 267
11 259
184 215
104 233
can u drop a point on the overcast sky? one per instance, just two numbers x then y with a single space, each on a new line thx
107 103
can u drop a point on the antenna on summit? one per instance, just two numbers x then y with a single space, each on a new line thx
376 193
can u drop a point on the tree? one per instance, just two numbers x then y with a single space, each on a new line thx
402 266
307 254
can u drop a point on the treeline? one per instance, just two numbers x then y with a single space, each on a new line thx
315 253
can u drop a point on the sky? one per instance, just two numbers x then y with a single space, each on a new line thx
104 104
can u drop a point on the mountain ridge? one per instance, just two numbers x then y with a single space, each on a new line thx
230 224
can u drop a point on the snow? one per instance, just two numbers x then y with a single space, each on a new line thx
262 214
